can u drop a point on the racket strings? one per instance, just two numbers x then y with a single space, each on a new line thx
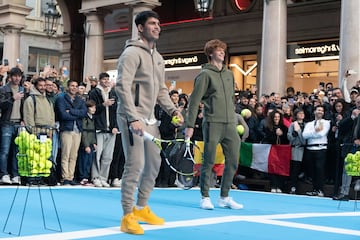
176 160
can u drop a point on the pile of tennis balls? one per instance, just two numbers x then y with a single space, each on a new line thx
352 166
33 156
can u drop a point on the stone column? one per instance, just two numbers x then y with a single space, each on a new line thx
273 47
94 44
349 61
12 21
11 44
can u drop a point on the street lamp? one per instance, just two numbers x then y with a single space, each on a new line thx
204 6
52 17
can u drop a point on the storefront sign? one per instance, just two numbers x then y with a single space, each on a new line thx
307 50
185 60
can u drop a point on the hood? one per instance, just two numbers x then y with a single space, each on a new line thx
34 91
212 67
138 43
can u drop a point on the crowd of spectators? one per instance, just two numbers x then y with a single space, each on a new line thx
87 144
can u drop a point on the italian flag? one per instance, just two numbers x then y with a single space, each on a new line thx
274 159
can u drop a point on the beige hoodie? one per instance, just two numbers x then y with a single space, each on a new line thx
44 116
141 82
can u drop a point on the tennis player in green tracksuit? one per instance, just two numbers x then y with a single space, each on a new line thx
214 86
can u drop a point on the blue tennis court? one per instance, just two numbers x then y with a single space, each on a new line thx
93 213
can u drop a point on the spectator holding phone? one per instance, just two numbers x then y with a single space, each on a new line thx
106 129
11 100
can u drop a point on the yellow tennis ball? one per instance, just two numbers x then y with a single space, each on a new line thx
175 120
240 129
245 113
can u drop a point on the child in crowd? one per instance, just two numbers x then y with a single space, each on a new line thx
88 145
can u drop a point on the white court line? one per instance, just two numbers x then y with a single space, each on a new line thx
265 219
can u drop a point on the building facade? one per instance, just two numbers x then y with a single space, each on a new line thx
273 44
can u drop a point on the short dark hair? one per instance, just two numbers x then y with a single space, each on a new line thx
319 106
70 81
37 80
103 75
290 89
90 103
57 83
15 71
172 92
142 17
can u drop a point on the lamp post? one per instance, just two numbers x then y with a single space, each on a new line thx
204 6
52 17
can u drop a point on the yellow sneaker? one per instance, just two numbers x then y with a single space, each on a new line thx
146 215
129 224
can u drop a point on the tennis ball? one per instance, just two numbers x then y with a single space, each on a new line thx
48 164
175 120
245 113
240 129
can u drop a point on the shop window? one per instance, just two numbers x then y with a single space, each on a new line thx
244 68
39 58
305 76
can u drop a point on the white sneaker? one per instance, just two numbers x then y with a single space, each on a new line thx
97 182
228 202
273 190
205 203
16 180
116 182
278 190
84 181
5 179
105 183
320 193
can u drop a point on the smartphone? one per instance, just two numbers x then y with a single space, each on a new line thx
173 83
17 60
6 62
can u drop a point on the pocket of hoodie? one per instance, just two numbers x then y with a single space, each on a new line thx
137 94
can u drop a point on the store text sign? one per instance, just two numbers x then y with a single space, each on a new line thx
319 49
185 60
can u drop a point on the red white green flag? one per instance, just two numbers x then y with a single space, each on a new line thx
267 158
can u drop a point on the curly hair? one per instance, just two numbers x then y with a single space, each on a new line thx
211 45
270 119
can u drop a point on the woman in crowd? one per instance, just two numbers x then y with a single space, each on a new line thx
334 163
275 133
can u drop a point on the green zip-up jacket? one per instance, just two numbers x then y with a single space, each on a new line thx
215 88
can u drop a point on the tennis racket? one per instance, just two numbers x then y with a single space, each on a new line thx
178 156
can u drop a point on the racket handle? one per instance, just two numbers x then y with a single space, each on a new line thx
187 142
148 136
